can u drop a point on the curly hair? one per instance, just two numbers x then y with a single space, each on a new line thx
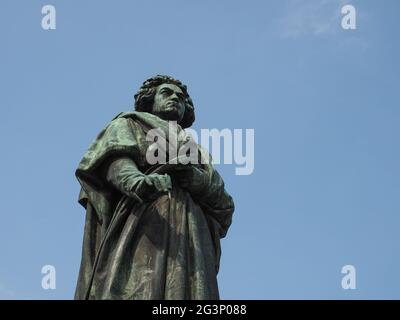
144 98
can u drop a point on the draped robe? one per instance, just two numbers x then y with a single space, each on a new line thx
167 248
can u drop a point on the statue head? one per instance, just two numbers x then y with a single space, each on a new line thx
167 98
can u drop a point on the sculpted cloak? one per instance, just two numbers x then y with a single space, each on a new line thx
167 248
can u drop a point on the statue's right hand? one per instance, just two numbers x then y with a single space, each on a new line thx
154 185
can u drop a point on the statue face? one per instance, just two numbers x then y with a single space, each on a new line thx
169 102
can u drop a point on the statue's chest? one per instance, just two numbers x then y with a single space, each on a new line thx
155 147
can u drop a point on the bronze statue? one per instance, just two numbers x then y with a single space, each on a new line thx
152 231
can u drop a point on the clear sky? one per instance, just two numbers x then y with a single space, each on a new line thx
323 101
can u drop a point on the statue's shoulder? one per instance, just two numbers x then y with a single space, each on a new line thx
139 119
123 119
137 116
123 115
116 123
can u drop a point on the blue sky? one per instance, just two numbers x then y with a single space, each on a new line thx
323 101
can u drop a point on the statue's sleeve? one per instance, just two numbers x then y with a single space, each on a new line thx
117 140
216 202
124 175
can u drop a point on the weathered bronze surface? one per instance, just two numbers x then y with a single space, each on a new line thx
151 231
